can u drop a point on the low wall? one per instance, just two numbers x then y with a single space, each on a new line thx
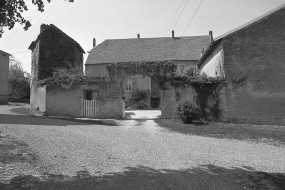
67 101
170 98
63 102
38 98
3 99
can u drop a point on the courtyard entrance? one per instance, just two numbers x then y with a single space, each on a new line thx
142 114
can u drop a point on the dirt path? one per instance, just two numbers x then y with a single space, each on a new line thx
66 147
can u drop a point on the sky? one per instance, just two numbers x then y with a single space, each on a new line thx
84 20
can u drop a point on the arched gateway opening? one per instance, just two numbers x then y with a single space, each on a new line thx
142 86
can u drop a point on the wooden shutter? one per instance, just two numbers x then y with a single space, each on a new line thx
135 83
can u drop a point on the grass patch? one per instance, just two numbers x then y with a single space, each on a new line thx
270 134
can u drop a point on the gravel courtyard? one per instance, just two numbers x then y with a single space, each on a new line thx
144 148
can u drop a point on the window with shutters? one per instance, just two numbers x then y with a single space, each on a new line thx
129 84
135 83
181 69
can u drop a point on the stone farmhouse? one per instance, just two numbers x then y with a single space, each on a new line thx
184 51
52 49
4 72
252 60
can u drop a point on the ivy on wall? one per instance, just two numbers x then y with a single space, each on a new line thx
207 93
159 71
208 99
207 89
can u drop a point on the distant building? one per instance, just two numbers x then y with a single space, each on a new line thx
183 51
52 49
4 73
252 60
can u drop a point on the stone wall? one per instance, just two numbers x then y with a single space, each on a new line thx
170 98
58 100
110 102
254 63
97 69
38 98
55 49
35 65
63 102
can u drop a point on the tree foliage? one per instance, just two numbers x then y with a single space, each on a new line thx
11 13
19 81
138 95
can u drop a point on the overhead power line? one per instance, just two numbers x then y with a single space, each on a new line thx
16 32
20 52
180 14
192 17
173 17
34 25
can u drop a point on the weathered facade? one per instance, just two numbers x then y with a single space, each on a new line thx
172 97
183 51
51 50
4 73
253 63
58 100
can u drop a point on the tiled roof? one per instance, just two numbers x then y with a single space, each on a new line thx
148 49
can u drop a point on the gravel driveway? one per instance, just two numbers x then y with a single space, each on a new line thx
66 147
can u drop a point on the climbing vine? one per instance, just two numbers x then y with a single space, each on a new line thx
207 89
159 71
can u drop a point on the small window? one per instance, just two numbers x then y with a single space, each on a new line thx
88 95
181 69
129 84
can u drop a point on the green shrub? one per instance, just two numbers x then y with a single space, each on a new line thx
137 96
187 112
143 105
191 72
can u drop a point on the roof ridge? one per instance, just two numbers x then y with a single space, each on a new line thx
79 46
146 49
157 37
55 27
4 52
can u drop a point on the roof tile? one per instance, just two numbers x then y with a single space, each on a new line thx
148 49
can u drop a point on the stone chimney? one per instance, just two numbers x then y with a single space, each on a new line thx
42 27
94 42
173 34
138 36
211 36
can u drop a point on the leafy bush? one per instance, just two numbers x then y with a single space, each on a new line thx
138 95
191 72
187 112
19 81
144 106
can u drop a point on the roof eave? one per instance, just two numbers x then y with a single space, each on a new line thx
5 52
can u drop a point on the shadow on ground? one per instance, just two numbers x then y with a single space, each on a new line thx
205 177
13 150
269 134
38 120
